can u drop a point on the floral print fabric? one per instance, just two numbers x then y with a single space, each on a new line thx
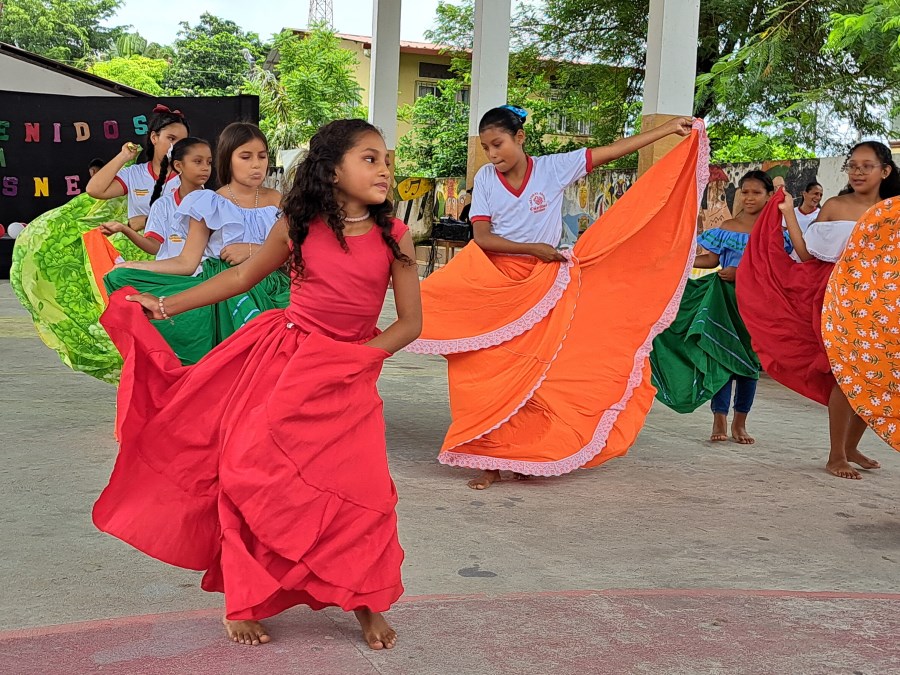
861 320
51 277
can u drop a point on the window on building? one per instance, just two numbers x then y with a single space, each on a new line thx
425 88
567 126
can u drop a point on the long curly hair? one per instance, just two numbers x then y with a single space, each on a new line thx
313 194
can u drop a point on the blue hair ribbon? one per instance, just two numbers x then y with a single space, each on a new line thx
521 113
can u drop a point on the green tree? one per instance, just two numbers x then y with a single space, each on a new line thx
438 143
758 60
139 72
732 147
65 30
872 38
212 58
314 82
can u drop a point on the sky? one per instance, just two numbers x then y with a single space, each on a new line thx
158 21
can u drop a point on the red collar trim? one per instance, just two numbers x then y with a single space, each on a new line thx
512 191
153 175
800 209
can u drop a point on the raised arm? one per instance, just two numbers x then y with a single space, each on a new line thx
625 146
103 184
793 227
405 281
270 257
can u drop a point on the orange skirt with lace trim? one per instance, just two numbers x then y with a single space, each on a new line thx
547 362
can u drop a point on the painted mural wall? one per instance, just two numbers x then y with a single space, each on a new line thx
421 201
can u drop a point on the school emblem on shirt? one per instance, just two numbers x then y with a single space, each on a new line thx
537 202
176 238
140 192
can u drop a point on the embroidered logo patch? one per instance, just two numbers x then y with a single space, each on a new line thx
537 202
140 192
176 238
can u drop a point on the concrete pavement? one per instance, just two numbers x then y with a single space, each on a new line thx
682 557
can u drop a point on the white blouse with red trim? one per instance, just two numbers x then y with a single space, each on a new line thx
138 181
533 213
166 226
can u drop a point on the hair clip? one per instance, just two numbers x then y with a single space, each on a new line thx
521 113
160 108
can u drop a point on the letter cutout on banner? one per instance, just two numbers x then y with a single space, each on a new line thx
56 128
111 130
2 159
140 125
32 132
10 186
4 130
72 185
82 131
41 187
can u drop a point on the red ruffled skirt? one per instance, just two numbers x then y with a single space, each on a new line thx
264 465
781 303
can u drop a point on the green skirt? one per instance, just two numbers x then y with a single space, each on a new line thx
52 278
703 348
193 334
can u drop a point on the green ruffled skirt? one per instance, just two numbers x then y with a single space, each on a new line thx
52 278
706 344
192 334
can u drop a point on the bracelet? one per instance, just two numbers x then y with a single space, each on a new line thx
162 310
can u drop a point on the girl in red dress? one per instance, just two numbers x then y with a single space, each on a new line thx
264 464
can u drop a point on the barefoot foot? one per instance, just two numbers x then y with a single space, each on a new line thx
842 469
377 632
484 481
857 457
720 428
246 632
740 435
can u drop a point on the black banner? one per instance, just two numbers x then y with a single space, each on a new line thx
48 141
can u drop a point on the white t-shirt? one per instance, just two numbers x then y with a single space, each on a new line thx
532 214
138 181
805 218
166 226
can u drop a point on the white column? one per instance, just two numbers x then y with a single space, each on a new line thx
671 69
671 57
384 78
490 69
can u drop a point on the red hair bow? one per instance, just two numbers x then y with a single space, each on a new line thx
160 108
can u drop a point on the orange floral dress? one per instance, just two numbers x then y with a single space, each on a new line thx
861 320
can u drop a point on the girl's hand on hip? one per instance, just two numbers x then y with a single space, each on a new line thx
546 253
728 274
235 254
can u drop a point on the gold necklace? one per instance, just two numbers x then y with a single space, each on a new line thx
234 199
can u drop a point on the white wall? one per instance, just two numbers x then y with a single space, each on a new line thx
25 77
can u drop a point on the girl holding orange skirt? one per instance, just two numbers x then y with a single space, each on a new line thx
547 348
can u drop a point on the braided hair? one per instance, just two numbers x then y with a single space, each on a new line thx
313 195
